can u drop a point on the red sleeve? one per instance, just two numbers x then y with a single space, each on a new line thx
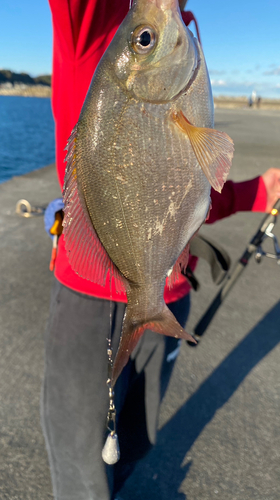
238 197
188 17
81 25
82 30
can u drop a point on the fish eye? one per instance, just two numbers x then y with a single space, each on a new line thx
143 39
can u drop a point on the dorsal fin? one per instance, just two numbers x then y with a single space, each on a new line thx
86 254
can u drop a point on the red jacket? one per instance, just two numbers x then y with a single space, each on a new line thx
82 30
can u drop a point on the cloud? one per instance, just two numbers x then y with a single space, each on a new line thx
245 88
275 71
217 71
233 84
218 83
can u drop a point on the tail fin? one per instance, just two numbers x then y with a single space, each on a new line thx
164 322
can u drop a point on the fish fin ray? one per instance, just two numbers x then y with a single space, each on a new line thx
164 323
179 266
86 254
213 149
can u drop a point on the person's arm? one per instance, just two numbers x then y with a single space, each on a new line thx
255 195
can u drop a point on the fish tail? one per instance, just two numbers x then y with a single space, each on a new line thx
163 322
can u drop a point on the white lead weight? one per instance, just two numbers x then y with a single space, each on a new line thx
111 449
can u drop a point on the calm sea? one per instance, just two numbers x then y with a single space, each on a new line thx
26 133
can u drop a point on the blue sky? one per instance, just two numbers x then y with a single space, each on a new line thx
240 39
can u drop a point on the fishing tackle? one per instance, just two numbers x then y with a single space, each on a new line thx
261 253
254 247
111 449
25 209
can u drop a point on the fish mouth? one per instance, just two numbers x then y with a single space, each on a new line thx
161 4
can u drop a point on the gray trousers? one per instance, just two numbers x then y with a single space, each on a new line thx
75 394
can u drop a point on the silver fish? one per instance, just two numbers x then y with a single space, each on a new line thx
140 164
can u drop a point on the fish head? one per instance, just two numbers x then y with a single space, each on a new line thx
154 55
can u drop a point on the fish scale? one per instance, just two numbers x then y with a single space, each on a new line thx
141 162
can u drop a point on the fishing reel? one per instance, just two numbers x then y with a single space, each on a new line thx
254 247
260 253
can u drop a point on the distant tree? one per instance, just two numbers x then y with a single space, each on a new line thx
9 76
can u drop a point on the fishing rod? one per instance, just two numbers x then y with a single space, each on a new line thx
264 231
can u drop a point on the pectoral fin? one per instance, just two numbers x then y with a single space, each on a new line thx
213 149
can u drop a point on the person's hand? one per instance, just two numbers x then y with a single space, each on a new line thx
271 180
49 216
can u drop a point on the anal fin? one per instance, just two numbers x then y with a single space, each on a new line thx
179 266
86 254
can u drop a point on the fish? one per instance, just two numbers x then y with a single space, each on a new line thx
140 165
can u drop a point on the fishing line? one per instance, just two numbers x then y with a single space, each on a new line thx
111 449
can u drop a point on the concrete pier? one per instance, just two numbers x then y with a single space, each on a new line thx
219 424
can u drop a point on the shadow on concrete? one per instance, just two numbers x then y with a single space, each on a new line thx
177 437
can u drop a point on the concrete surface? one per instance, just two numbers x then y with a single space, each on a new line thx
219 435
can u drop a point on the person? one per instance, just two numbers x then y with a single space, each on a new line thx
82 313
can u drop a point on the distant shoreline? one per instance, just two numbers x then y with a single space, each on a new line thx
23 90
20 89
242 102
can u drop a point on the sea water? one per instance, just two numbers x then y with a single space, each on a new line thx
26 135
